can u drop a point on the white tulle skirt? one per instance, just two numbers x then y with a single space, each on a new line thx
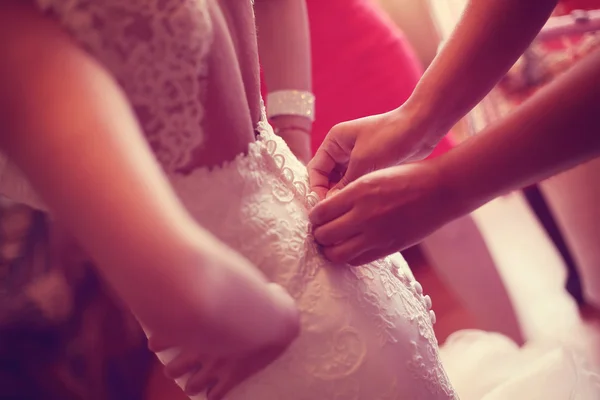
489 366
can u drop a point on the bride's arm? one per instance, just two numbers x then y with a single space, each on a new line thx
69 128
67 125
284 49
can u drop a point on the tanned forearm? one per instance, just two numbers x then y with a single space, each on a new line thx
555 130
487 41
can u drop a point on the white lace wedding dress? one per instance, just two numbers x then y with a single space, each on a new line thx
366 332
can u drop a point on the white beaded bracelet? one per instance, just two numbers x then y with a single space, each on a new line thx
291 102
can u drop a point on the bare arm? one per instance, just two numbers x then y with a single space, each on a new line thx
284 43
70 129
487 41
284 49
555 130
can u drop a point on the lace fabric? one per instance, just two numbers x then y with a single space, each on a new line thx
366 332
156 49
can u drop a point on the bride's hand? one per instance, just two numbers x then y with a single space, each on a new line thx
226 323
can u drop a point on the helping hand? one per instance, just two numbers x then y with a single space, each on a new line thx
382 213
226 327
355 148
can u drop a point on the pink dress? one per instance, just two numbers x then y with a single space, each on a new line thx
362 64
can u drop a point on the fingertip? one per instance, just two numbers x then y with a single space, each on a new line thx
321 192
317 235
320 169
333 254
314 216
318 215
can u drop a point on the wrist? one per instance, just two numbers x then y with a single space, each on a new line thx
459 183
422 122
291 122
428 117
